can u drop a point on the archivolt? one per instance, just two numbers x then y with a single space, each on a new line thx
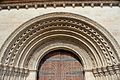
64 27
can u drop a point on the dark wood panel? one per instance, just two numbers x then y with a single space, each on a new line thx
60 65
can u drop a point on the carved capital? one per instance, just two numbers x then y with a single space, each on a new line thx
110 70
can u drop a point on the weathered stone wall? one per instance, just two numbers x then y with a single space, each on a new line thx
108 17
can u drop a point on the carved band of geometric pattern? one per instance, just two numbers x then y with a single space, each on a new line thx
14 49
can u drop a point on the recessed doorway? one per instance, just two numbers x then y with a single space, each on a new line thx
60 65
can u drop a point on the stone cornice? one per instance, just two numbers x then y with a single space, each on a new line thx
38 4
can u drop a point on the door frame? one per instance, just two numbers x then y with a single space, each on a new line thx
73 54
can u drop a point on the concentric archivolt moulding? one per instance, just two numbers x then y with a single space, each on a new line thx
27 45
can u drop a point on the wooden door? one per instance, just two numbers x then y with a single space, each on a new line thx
60 65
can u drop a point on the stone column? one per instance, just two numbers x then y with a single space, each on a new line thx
26 73
32 75
12 73
1 71
100 72
22 75
117 71
111 72
106 73
4 72
96 74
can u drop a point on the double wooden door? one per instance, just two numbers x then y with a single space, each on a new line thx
60 65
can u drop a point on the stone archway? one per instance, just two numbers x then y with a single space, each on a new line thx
21 53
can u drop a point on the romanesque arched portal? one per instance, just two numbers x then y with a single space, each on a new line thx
27 46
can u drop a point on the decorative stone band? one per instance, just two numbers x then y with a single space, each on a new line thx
13 73
107 73
55 4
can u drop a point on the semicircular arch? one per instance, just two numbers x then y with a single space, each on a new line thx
66 28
